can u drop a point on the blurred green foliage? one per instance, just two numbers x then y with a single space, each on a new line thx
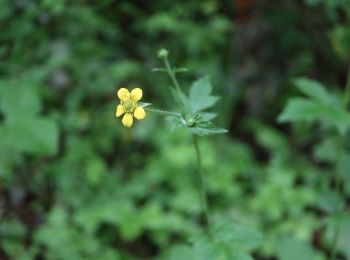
74 184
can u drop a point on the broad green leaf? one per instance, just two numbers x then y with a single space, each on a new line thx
19 101
291 249
33 135
341 224
214 249
300 109
200 97
331 201
313 89
324 150
181 99
239 236
183 252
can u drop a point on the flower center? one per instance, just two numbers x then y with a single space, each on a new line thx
129 106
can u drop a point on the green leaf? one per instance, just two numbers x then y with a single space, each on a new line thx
213 249
299 109
181 99
291 249
33 135
313 89
200 97
205 116
202 131
240 237
183 252
341 225
175 122
203 127
19 101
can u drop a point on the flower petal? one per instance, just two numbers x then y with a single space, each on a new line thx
136 94
139 113
120 110
123 94
127 120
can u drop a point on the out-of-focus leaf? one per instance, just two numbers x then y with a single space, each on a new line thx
237 235
32 135
19 101
291 249
340 38
183 252
207 249
339 225
301 109
313 89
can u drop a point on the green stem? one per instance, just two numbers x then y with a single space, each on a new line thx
201 184
337 175
171 74
163 112
337 188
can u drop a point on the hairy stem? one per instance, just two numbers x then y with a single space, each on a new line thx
163 112
201 184
171 74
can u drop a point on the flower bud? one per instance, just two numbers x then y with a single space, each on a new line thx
163 54
191 122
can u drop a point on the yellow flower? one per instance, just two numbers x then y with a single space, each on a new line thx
129 106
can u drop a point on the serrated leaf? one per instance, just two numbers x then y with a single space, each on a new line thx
175 122
313 89
200 97
181 99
